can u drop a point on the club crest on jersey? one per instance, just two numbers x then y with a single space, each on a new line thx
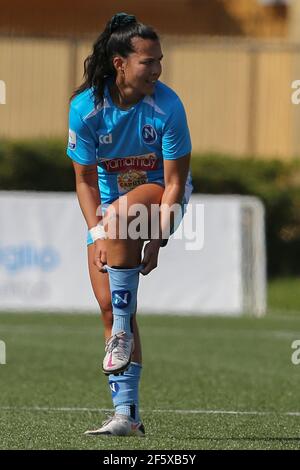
149 134
121 298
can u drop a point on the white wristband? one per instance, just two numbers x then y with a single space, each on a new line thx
98 232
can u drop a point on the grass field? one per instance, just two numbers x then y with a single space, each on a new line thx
208 383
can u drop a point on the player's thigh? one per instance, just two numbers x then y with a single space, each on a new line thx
145 194
100 283
142 201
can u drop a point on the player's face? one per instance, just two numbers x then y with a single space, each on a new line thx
142 68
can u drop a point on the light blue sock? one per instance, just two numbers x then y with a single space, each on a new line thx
125 391
123 287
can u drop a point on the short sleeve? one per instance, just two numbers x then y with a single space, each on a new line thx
176 141
81 145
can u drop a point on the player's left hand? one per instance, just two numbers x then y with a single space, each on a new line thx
150 258
100 255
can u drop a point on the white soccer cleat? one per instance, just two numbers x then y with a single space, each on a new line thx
118 350
119 425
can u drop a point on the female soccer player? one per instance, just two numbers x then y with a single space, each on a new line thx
130 143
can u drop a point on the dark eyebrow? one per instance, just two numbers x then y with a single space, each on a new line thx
153 58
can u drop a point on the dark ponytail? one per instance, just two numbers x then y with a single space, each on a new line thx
115 39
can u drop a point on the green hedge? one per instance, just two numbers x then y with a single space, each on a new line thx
277 184
42 165
39 165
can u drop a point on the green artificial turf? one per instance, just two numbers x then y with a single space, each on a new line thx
207 382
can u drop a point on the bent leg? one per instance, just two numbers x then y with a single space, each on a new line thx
123 254
124 266
127 252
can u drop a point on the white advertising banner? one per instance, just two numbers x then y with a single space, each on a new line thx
43 262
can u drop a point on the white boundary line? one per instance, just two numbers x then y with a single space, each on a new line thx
101 410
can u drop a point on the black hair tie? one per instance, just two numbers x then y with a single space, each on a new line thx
121 19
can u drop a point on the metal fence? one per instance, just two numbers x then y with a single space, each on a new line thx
237 92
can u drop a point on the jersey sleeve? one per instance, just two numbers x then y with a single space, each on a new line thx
82 146
176 141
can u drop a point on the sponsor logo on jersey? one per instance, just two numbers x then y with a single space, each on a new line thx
146 162
121 298
72 139
149 134
128 180
105 139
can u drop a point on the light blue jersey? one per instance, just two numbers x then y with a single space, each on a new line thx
128 146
